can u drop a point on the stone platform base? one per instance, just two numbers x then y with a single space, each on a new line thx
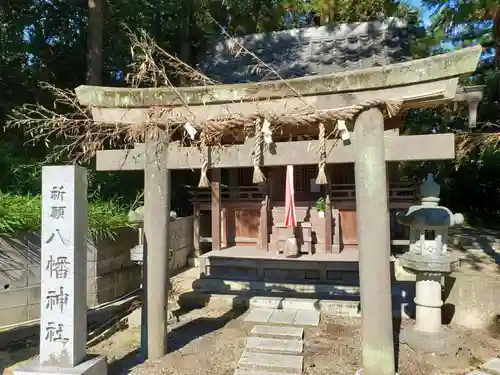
327 307
212 285
442 343
93 366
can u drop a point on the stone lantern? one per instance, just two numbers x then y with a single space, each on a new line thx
137 217
428 258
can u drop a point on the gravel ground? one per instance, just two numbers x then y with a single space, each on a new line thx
203 340
334 348
211 341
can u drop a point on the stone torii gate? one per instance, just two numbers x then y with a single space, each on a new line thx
350 95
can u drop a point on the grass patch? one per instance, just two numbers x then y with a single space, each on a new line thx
20 213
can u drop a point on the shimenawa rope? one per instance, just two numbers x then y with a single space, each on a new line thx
258 176
321 179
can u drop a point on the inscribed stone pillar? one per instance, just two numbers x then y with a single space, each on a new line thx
156 223
374 244
63 315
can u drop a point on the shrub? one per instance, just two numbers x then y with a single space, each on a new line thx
20 213
320 204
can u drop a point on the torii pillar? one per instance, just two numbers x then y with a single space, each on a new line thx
374 245
156 224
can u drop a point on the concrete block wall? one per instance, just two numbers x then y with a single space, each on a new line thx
110 273
19 278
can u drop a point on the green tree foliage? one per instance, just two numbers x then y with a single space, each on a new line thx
470 184
46 41
463 22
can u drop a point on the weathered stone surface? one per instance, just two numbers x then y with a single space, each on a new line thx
431 68
442 343
94 366
340 307
283 316
420 263
307 318
266 302
271 362
274 346
492 366
476 372
277 332
299 303
259 315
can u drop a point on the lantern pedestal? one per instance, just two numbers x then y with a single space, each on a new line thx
428 303
428 335
442 343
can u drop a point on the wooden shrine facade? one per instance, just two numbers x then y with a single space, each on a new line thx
243 204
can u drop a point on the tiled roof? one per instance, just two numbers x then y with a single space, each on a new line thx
310 51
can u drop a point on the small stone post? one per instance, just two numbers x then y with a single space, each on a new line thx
374 245
156 223
63 315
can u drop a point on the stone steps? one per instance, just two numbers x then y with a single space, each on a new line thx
274 346
272 350
491 367
290 333
260 361
284 316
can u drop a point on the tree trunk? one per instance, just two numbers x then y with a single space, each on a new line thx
185 50
496 36
94 42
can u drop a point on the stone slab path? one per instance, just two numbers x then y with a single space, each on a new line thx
284 316
491 367
272 350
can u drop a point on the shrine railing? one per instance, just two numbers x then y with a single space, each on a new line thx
247 193
398 191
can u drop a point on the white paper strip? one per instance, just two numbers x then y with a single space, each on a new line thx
266 130
344 133
190 129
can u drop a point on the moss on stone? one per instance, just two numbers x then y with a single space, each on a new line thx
416 71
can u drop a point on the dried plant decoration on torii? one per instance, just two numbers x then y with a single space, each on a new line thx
229 120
